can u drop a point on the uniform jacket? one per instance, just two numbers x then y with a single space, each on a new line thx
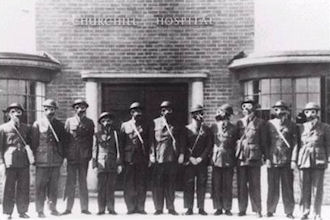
203 144
47 152
80 139
276 150
11 143
252 142
162 147
105 151
225 136
133 150
314 145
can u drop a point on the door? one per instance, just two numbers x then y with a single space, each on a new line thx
118 97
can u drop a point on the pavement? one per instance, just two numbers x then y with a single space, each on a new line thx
121 210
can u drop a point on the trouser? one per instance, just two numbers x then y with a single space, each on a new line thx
164 177
135 186
222 188
312 186
17 189
46 185
277 175
248 181
72 171
192 172
106 186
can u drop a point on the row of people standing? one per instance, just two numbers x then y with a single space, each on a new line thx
136 146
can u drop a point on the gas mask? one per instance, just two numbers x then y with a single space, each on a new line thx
281 112
221 115
247 108
136 114
49 111
311 114
80 110
166 112
15 115
198 116
106 123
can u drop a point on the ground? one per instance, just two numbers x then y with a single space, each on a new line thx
121 209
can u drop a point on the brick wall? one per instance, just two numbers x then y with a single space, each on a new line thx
146 47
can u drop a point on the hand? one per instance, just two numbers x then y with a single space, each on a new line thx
65 163
294 165
192 160
152 159
268 163
180 159
119 169
198 160
94 163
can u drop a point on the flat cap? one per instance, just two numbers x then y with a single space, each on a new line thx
49 103
105 115
78 102
15 105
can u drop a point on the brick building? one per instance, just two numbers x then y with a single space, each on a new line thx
114 52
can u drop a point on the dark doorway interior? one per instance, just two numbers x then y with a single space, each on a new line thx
118 97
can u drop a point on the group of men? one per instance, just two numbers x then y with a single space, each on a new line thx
162 146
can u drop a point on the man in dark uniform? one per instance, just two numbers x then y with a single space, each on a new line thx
197 144
106 158
16 155
281 140
135 158
164 155
78 154
312 160
249 153
48 137
223 160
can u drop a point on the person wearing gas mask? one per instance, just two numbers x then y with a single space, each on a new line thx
48 139
135 147
106 158
281 140
165 154
15 138
249 153
312 160
223 160
197 144
78 154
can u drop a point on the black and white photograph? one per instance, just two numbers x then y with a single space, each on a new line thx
165 109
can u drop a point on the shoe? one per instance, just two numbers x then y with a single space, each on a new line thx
189 212
9 217
258 214
142 212
158 212
242 213
131 212
172 212
24 215
317 217
269 214
66 212
303 217
202 212
218 212
112 212
228 213
290 216
100 213
55 213
41 215
86 212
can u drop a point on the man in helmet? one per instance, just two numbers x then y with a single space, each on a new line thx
106 158
281 140
312 160
135 147
165 155
250 151
48 139
80 131
223 160
15 138
197 144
